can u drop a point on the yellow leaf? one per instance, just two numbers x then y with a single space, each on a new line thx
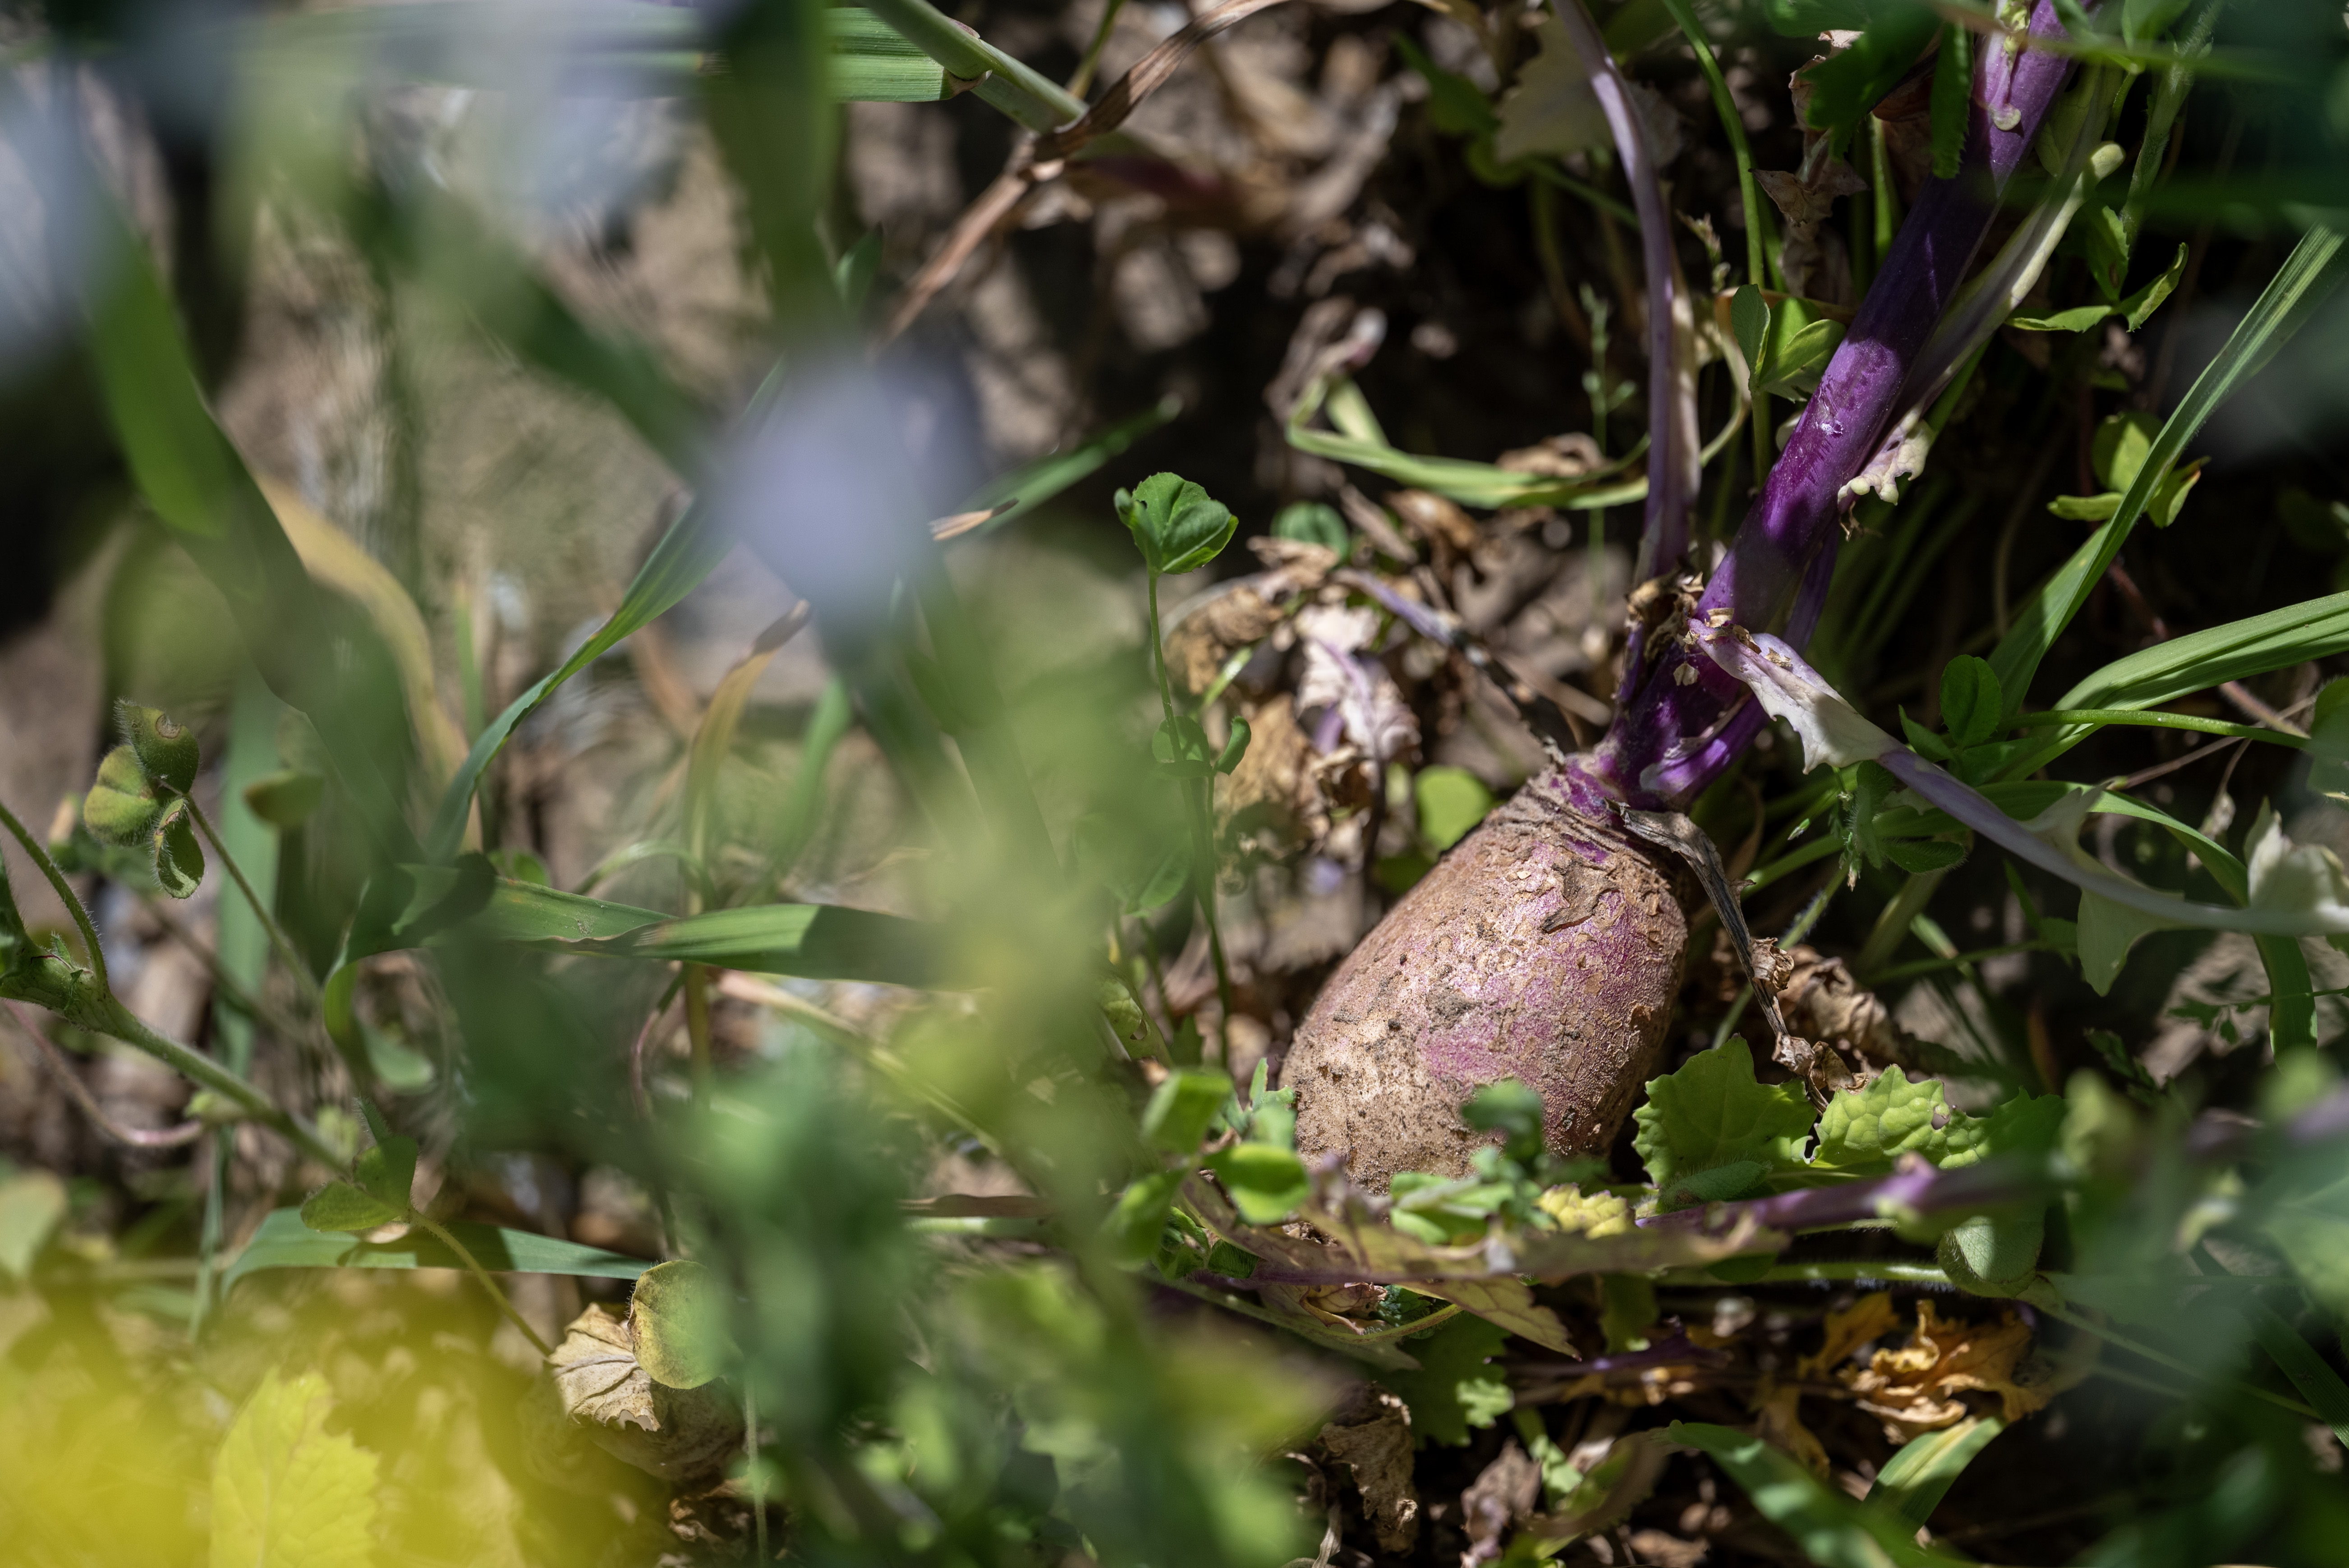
285 1492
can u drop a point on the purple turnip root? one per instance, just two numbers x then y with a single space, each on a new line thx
1546 947
1547 944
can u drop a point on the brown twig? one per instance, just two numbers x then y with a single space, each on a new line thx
70 1081
1039 161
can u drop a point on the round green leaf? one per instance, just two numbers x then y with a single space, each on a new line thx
677 1316
1175 523
1971 702
1313 522
1450 802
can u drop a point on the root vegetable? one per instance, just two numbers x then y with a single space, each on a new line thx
1547 944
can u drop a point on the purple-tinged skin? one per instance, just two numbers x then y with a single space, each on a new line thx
1670 739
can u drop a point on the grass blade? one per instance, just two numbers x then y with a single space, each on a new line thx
202 491
687 553
1913 1484
2310 1373
283 1241
1832 1530
1029 96
2306 279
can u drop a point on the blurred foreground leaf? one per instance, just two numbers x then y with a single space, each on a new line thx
285 1492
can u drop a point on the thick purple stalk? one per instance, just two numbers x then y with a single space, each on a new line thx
1688 718
1672 404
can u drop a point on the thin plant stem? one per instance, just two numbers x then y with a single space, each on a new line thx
48 868
1202 833
1544 205
1749 197
2153 719
753 1470
2162 1358
278 939
1077 85
232 992
697 1030
113 1018
448 1239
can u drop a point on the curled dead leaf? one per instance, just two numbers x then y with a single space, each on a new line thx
1915 1387
1847 1329
604 1392
1378 1449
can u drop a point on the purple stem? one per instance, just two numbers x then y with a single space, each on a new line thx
1671 738
1921 1189
1671 439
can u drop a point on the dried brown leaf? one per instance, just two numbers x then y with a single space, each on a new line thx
1378 1452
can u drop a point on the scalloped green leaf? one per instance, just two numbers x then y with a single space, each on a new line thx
1864 1131
1713 1113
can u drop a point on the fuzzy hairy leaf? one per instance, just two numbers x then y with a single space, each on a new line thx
286 1494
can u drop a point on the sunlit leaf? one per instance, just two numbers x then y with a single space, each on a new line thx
287 1493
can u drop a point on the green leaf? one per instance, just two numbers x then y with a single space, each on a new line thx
1236 746
1175 523
1713 1113
1456 1387
1267 1184
1032 485
286 798
1749 318
2138 307
1994 1254
2312 1233
687 553
1182 1107
1853 80
1915 1480
1952 100
2079 318
1455 106
2292 297
32 1203
2122 443
1314 522
203 493
1512 1107
2310 1373
873 63
678 1315
418 906
2086 508
387 1173
1450 802
1917 855
1799 345
339 1206
1971 706
999 80
1139 1216
179 855
286 1494
1832 1530
284 1241
2025 1124
1862 1132
1357 440
1179 746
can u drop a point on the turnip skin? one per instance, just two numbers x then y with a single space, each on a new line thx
1546 946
